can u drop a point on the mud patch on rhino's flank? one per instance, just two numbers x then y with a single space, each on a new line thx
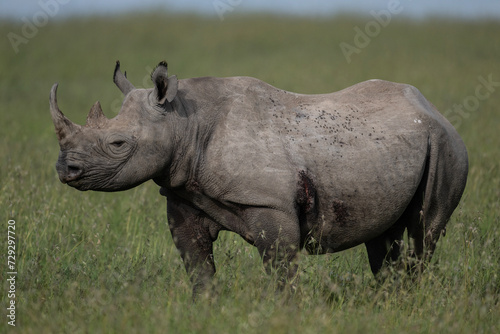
306 205
340 211
306 194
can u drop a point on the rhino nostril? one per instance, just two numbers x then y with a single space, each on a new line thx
74 172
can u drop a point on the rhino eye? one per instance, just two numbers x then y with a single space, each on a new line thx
118 143
117 146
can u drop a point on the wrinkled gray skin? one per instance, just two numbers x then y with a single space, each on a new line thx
285 171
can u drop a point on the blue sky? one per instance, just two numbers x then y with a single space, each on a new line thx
413 8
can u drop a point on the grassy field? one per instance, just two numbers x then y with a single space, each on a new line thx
105 263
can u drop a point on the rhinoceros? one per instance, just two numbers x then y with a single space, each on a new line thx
285 171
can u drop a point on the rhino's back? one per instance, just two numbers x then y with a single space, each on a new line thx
370 123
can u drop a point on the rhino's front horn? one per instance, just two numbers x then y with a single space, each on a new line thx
96 118
64 127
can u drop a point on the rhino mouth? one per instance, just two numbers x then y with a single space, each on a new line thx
94 180
77 184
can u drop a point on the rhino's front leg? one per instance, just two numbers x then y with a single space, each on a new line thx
193 234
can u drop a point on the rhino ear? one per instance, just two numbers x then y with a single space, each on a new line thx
173 84
165 87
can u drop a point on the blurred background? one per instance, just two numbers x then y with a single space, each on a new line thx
415 9
105 262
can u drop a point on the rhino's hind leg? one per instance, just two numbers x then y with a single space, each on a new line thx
277 237
193 234
438 195
386 248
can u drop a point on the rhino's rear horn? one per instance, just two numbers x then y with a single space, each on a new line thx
64 127
121 80
96 118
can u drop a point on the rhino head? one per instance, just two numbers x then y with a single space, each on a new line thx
122 152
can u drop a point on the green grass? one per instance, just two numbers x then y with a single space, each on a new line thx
105 263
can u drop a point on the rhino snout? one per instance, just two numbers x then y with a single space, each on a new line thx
69 172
